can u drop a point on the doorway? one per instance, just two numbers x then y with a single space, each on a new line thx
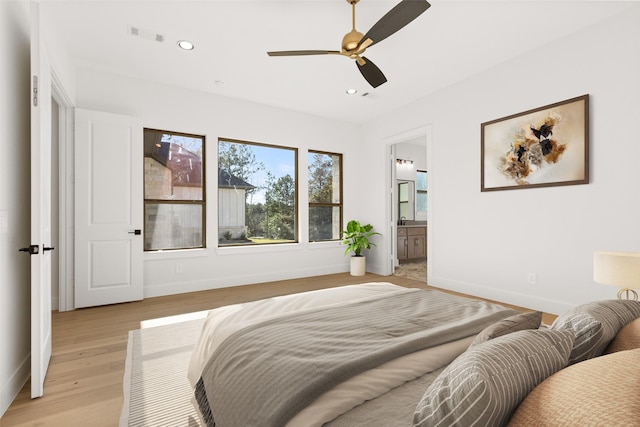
409 217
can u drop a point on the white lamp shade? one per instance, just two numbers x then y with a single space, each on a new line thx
621 269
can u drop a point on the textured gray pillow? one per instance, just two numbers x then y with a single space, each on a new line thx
595 324
517 322
485 384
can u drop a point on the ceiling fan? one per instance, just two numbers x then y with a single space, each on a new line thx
354 43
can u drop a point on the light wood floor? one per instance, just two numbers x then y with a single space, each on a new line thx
83 386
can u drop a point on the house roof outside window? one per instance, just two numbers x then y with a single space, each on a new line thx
226 180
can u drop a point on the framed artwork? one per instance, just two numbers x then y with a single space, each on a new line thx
543 147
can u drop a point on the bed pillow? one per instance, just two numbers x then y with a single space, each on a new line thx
627 338
485 384
517 322
595 324
602 391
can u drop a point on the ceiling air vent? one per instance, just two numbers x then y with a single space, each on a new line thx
146 34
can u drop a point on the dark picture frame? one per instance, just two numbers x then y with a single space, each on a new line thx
544 147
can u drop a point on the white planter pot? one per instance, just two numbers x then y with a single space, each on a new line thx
358 265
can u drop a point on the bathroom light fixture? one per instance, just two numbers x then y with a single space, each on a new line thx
403 162
185 44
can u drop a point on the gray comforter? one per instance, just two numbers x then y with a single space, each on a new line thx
264 374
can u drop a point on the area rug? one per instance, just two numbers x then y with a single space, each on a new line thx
155 385
412 270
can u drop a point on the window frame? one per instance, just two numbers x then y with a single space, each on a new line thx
340 205
296 225
419 191
202 202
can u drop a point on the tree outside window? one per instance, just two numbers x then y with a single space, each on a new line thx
257 197
325 196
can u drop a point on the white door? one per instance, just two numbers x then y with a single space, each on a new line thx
108 208
40 208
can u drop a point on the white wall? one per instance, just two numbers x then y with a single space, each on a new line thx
14 200
174 109
485 244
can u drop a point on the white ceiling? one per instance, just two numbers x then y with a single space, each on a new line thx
451 41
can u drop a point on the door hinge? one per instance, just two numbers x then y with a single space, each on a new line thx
35 91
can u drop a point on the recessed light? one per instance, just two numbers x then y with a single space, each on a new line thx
351 91
186 45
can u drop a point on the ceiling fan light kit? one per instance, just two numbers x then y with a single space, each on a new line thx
354 43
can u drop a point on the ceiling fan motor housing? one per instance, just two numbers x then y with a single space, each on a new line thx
351 40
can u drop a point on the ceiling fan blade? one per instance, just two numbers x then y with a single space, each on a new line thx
371 72
302 52
402 14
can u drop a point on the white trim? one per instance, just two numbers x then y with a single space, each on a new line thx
65 194
257 249
390 216
58 91
14 384
393 223
176 254
430 203
324 244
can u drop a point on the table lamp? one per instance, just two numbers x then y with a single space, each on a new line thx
621 269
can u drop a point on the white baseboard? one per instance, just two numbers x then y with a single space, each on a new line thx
151 290
527 301
15 383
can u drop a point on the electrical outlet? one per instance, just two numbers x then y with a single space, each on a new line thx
531 278
179 268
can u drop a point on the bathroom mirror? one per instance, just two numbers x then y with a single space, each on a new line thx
406 200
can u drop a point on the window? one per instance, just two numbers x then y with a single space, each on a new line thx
325 196
404 190
421 190
257 193
174 191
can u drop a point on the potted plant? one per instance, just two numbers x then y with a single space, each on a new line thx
356 237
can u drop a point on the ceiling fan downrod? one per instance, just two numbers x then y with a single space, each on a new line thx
351 40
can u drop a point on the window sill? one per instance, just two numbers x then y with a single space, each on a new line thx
256 249
176 254
325 244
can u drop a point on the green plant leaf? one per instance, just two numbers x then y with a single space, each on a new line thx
356 237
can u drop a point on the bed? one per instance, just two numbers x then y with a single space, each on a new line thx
374 354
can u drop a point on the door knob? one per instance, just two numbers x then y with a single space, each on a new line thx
136 232
45 248
32 250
